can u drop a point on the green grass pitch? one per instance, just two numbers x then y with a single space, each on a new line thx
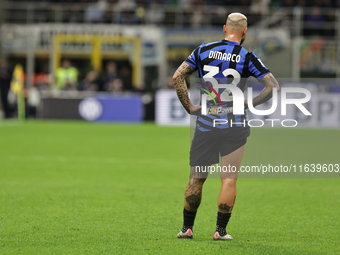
82 188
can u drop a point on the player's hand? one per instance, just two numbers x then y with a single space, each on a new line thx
195 110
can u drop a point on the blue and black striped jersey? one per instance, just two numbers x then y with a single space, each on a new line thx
223 61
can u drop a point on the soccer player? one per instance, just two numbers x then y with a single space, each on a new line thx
217 61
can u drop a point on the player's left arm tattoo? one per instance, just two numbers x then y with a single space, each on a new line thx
270 82
183 71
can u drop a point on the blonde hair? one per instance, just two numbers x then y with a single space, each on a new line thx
237 20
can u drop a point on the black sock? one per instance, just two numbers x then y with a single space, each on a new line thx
222 222
189 218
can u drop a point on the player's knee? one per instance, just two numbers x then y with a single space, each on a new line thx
229 182
197 182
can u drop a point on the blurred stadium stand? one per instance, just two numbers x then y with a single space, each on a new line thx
146 40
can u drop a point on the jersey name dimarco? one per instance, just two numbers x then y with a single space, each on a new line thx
225 56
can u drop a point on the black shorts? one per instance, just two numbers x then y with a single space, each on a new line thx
206 147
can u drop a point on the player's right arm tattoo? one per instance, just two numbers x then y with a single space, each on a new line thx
270 82
179 83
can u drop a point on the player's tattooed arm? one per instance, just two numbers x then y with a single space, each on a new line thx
183 71
270 82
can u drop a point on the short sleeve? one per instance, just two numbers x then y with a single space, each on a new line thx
256 67
192 60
